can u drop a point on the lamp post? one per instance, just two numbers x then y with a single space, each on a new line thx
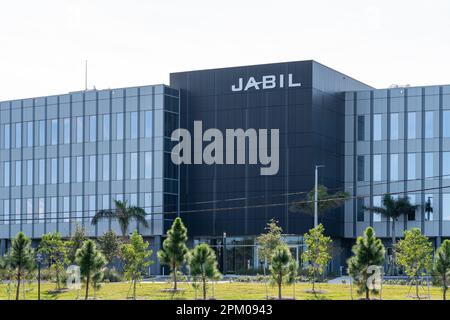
224 248
39 259
316 186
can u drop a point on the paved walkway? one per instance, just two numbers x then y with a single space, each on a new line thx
340 280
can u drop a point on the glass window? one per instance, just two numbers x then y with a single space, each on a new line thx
41 171
79 208
54 171
41 209
119 126
6 211
6 173
429 214
377 127
394 167
411 166
105 201
148 203
79 129
411 125
92 128
106 127
66 130
134 125
66 176
360 168
53 209
105 167
376 203
29 210
42 132
92 168
148 124
66 208
148 165
30 134
394 126
79 172
412 214
92 206
377 167
361 128
446 207
133 165
428 165
133 199
54 131
18 173
429 124
446 164
29 172
7 136
446 123
18 127
360 210
18 206
119 166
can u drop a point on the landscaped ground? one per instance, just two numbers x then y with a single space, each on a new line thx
222 291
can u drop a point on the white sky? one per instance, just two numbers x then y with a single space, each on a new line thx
43 44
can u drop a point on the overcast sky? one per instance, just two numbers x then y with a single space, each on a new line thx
43 44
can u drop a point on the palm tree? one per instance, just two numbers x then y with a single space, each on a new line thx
393 209
124 214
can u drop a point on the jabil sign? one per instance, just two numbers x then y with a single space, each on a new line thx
267 82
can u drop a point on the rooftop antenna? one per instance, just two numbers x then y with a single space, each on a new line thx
85 75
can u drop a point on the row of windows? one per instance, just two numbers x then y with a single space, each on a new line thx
411 163
36 210
78 173
411 124
377 201
104 134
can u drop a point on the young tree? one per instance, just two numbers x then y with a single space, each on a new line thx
281 266
90 261
267 242
203 264
414 253
55 251
367 252
325 201
174 251
76 242
393 209
136 259
21 258
441 268
109 244
317 253
124 214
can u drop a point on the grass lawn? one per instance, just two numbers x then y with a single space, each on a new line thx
222 291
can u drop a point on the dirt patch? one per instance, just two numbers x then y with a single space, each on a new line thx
315 291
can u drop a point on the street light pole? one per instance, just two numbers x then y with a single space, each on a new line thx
224 250
316 187
39 259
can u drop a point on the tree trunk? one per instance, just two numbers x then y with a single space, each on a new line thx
280 282
367 294
134 289
204 288
18 286
393 248
174 270
417 286
314 281
444 281
87 287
